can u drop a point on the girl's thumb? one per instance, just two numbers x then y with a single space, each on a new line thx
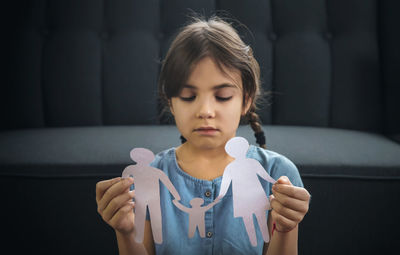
284 180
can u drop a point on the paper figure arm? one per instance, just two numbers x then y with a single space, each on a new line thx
207 207
128 171
262 172
180 206
226 181
164 179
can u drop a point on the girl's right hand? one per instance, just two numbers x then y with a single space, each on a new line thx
115 205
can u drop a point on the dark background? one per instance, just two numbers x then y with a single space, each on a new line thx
79 91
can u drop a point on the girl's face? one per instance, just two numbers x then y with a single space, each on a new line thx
207 111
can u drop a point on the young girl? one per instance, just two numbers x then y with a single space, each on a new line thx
209 81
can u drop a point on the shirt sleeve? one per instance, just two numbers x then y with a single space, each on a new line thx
283 166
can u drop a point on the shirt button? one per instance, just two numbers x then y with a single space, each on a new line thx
209 234
208 193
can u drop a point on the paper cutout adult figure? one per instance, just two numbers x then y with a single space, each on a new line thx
248 194
147 192
196 215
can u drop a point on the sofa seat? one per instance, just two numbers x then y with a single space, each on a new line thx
93 151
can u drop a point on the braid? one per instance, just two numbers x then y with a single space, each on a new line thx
183 139
255 123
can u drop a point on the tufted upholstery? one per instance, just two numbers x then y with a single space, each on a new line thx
80 92
81 59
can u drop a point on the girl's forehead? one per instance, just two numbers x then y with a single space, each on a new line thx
207 73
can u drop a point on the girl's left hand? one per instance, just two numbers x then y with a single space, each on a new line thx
289 204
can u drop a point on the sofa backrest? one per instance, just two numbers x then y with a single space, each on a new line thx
84 63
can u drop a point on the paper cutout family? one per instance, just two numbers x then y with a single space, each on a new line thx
248 194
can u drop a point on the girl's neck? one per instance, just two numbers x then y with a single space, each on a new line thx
205 164
192 153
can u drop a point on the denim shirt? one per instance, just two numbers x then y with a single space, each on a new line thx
224 234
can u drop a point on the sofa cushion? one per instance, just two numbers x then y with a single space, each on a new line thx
104 151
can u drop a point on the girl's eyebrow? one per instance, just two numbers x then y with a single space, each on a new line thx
224 85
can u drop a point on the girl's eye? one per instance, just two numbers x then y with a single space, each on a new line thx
223 98
188 99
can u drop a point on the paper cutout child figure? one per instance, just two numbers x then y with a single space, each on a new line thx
196 215
147 192
248 194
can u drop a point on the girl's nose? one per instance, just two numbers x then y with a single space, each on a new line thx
205 115
206 110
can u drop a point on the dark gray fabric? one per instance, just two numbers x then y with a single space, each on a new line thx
88 62
53 215
347 216
329 151
350 216
105 150
389 46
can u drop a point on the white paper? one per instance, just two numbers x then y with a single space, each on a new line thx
196 215
147 192
249 197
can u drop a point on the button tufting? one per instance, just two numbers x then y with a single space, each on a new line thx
273 36
104 35
328 35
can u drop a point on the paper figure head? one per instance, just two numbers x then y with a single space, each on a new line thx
196 202
237 147
142 156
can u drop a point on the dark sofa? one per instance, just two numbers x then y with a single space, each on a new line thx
79 92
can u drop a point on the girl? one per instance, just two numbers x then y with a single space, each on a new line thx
209 81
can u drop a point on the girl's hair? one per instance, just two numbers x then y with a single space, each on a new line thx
217 39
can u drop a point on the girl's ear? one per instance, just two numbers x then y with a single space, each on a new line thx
170 107
246 107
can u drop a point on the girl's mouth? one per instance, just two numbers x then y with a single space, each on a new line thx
206 131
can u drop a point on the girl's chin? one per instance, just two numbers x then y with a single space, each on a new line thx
208 143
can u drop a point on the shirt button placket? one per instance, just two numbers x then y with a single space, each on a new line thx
208 196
